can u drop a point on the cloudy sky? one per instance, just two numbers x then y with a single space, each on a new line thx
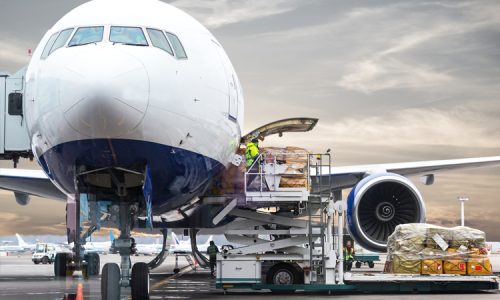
390 81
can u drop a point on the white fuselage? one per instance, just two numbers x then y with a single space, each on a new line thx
115 105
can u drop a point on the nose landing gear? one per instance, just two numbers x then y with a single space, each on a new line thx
112 278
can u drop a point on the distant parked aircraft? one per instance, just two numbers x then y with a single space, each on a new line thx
181 246
493 247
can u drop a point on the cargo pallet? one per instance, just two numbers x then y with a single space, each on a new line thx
307 253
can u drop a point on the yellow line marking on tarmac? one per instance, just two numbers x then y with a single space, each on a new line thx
184 270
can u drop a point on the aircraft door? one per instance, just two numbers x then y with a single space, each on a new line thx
233 98
232 83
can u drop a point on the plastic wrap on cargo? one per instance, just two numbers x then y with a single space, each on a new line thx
295 158
429 249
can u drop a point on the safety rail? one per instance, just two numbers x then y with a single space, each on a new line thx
279 175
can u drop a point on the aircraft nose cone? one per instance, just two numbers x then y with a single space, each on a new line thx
106 93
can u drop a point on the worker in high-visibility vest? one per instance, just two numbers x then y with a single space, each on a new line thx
348 256
212 251
251 154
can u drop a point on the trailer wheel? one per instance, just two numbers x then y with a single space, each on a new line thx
283 274
371 264
358 264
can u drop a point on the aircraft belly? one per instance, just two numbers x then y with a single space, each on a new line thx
178 175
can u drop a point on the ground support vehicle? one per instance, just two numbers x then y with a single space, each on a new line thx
44 253
292 245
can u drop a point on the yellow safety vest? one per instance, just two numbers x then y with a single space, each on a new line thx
212 250
348 254
251 153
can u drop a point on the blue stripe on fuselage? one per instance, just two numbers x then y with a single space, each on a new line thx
178 175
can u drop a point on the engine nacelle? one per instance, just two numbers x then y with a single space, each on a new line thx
22 199
377 204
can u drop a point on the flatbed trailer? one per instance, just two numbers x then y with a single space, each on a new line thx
369 259
382 283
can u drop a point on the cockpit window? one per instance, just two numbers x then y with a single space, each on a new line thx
61 39
128 36
159 40
49 45
87 35
176 44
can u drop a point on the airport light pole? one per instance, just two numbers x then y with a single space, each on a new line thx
462 213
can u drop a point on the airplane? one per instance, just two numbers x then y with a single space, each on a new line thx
100 247
24 245
148 249
184 246
493 247
6 247
135 108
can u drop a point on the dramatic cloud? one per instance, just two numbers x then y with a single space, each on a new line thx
390 81
218 13
13 53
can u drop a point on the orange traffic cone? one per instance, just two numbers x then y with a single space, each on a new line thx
79 292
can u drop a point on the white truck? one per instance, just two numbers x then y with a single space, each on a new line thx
44 253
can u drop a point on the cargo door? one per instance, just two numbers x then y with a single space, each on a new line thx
279 127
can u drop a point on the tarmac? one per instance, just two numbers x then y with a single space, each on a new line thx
21 279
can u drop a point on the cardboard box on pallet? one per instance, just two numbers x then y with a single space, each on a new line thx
478 265
455 266
432 266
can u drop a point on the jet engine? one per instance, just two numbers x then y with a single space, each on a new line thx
377 204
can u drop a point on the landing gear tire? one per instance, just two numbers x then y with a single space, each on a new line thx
358 264
45 260
93 265
140 281
110 282
371 264
283 274
60 264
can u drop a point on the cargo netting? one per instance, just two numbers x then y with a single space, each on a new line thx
428 249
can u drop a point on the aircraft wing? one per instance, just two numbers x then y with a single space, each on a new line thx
30 182
348 176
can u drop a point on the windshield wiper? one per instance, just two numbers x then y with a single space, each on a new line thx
130 44
74 45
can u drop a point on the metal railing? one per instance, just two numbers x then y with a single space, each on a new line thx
272 167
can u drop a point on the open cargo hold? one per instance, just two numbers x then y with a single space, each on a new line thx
428 249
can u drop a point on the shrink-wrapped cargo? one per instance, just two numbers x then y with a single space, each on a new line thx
408 238
404 263
437 250
296 161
